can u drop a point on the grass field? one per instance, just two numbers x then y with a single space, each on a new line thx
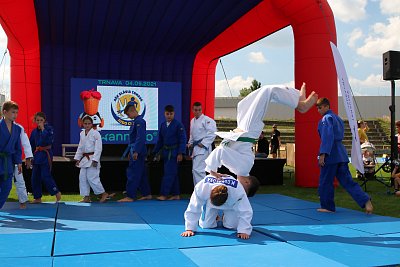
384 204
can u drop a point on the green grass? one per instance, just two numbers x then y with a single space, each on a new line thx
384 204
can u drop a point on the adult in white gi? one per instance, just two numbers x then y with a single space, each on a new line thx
237 209
202 135
88 160
235 151
19 178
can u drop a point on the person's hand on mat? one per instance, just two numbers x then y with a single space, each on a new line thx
243 236
187 233
135 156
179 158
19 168
94 164
321 160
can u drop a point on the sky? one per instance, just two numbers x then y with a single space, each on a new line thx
365 30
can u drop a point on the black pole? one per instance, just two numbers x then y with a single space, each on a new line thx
393 143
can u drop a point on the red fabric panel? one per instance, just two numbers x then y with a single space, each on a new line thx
313 28
18 20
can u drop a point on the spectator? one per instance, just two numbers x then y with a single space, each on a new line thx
275 141
262 148
362 131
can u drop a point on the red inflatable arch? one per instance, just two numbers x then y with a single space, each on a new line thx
313 27
23 45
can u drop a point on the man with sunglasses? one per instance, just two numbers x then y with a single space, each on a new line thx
333 161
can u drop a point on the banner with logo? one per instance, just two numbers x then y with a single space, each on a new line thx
150 98
356 156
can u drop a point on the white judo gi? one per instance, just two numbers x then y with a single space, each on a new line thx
19 178
202 131
237 155
237 209
89 176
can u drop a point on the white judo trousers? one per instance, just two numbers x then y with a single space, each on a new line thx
202 131
238 156
237 209
18 177
89 176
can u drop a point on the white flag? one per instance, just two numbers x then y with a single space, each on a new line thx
356 157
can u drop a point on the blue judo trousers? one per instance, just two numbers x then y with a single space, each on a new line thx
136 171
10 154
331 132
172 141
41 142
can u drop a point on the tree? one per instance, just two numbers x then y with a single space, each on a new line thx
254 86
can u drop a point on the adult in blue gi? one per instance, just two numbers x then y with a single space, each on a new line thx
41 140
136 171
172 143
333 161
10 149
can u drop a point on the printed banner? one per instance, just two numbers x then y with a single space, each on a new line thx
356 157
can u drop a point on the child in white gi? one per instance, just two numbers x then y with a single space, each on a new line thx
88 159
19 178
227 194
235 151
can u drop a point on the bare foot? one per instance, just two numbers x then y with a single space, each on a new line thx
104 197
22 206
368 207
148 197
397 194
162 198
58 197
303 92
324 210
126 199
176 197
37 201
85 200
305 105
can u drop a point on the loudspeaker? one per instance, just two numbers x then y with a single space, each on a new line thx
391 65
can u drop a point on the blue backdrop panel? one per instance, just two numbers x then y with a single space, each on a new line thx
344 245
121 39
273 254
160 257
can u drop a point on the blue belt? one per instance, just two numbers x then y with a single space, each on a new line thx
195 143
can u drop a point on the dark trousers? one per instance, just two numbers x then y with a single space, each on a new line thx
137 178
41 173
326 188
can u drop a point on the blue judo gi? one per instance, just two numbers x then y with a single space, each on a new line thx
136 171
41 143
331 132
10 154
172 141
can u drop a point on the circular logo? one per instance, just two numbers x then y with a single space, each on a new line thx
119 103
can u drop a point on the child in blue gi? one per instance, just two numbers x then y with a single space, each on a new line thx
41 142
172 142
10 148
333 161
136 171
